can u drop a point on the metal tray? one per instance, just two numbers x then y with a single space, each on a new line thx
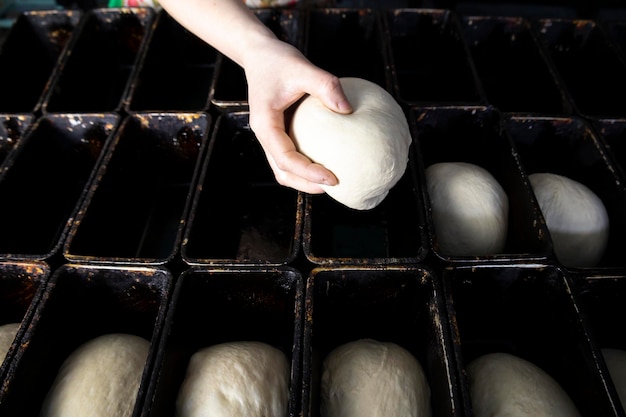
403 305
101 58
78 304
240 214
476 135
136 208
429 59
43 181
211 306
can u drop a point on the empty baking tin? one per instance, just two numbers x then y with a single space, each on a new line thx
348 43
102 56
529 311
175 70
226 305
612 133
511 66
429 59
44 179
79 304
568 146
588 64
402 305
136 208
240 214
30 54
475 134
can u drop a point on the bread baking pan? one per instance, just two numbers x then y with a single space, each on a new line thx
21 287
512 68
588 64
30 53
476 135
530 311
12 127
348 43
79 304
229 88
175 70
136 208
402 305
601 297
568 146
43 180
615 28
429 59
394 232
211 306
612 133
240 214
102 56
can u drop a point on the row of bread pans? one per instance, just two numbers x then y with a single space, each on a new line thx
159 188
559 322
138 60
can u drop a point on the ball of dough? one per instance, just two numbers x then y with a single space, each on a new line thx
470 209
243 378
615 360
7 335
367 150
502 384
575 216
100 378
368 378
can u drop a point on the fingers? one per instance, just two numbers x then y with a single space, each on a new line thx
288 179
290 167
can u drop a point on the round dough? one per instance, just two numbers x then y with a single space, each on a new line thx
7 335
368 378
100 378
235 379
367 150
576 218
502 384
470 209
615 360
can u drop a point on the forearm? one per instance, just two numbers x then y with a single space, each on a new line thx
227 25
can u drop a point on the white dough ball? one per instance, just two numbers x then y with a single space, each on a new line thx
367 150
502 384
575 217
470 209
368 378
235 379
615 360
100 378
7 335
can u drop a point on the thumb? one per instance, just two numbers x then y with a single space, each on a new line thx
334 97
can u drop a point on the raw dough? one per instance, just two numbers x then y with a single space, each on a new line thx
615 360
7 335
575 216
502 384
100 378
470 209
368 378
235 379
368 150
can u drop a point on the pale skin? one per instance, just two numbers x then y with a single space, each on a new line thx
278 75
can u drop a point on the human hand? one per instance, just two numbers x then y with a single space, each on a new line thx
278 76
